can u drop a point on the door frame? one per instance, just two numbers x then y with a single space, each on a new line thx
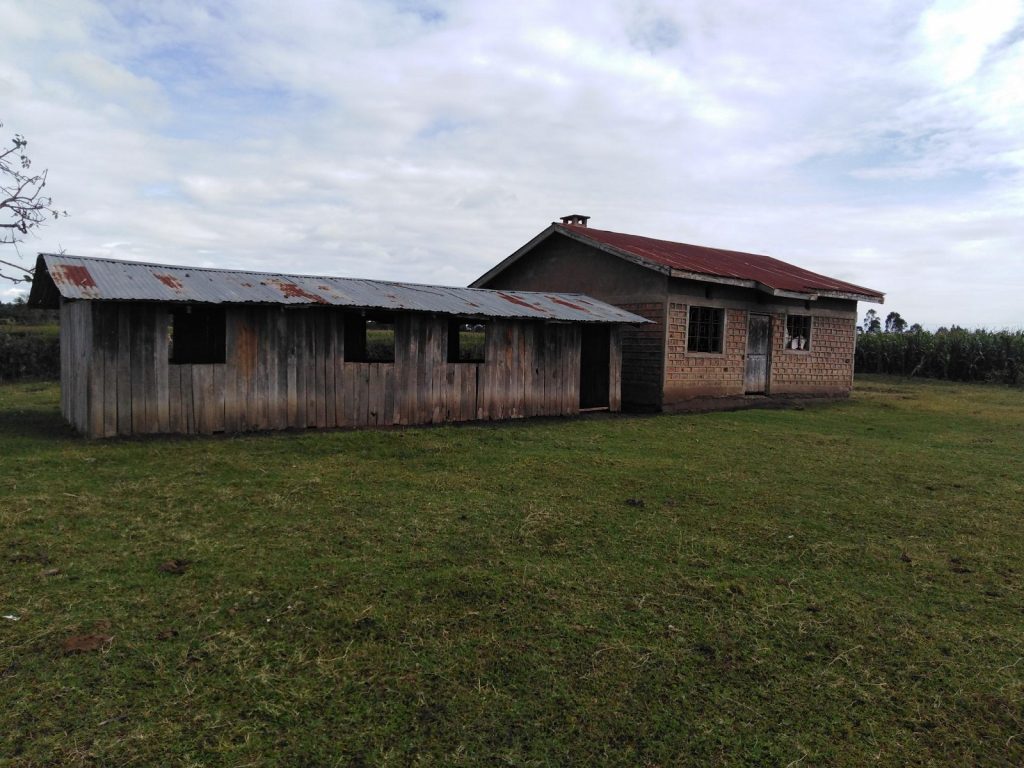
767 354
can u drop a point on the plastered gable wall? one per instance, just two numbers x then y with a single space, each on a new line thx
562 264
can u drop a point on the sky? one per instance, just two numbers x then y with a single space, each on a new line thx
425 140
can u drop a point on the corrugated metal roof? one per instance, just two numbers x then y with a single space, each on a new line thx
703 260
82 277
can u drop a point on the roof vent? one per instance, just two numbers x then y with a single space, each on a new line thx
575 219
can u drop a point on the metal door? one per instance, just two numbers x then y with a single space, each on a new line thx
755 378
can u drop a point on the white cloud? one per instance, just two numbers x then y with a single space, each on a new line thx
424 141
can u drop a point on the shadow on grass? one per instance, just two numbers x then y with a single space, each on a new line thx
31 410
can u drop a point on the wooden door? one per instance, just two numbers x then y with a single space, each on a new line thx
755 377
594 362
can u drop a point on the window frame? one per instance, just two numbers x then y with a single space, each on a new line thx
210 320
720 314
788 337
357 332
454 341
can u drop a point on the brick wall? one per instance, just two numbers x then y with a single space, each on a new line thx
642 356
827 368
689 375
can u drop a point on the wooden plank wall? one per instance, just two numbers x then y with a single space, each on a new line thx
285 368
75 362
615 368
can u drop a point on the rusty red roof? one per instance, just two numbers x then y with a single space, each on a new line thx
702 260
96 279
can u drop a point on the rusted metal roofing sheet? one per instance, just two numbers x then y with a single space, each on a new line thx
82 277
701 260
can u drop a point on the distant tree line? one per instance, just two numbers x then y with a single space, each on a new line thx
955 353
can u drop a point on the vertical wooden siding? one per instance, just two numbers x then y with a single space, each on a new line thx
285 368
76 363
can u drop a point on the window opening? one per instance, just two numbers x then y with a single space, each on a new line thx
370 338
798 332
196 335
466 341
704 332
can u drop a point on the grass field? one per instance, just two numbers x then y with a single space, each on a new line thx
840 585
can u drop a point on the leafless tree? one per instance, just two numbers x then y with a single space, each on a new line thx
23 204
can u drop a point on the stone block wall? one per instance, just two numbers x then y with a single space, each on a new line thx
688 374
826 368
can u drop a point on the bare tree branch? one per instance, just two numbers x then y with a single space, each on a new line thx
23 206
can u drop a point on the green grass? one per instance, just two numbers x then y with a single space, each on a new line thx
49 330
839 585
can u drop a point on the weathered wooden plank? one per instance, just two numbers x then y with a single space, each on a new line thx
330 355
406 342
188 405
309 367
521 368
388 382
255 382
281 420
452 379
321 368
232 414
149 373
340 383
296 395
483 372
209 397
175 420
200 396
375 394
349 385
551 369
422 415
161 364
217 421
261 380
614 368
575 360
363 395
95 379
500 394
530 361
567 370
355 379
107 317
269 351
437 347
124 370
140 361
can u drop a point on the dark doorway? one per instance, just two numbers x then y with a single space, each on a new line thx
594 348
756 374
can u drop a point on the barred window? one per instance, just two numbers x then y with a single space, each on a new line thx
704 333
798 332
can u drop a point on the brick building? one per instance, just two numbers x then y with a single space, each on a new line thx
724 324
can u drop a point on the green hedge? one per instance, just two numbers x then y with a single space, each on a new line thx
956 354
28 355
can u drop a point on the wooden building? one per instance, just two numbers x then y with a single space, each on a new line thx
726 327
150 348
